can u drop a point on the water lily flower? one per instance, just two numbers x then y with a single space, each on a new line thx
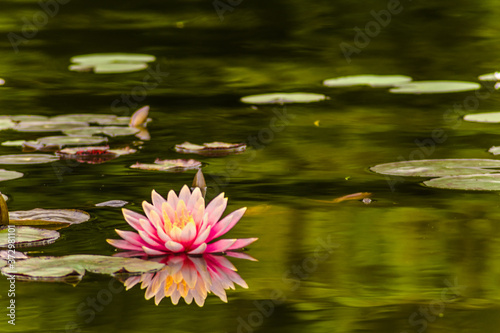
181 224
191 278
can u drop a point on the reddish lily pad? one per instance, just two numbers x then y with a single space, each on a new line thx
93 155
211 149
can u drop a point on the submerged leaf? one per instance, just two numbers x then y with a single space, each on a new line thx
58 268
27 237
211 149
283 98
438 167
375 81
434 87
479 182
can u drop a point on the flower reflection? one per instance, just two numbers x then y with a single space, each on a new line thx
191 278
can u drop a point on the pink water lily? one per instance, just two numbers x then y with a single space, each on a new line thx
181 224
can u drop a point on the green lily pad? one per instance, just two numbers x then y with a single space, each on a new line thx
84 117
98 58
211 149
178 165
9 175
59 268
27 237
112 203
375 81
117 121
27 159
283 98
438 167
490 77
485 117
14 143
65 140
26 117
48 217
434 87
6 123
47 126
481 182
107 130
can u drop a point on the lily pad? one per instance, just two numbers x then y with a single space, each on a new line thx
490 77
110 63
485 117
480 182
283 98
14 143
438 167
48 217
27 117
84 117
211 149
178 165
434 87
27 237
93 155
47 126
112 203
27 159
375 81
65 140
9 175
117 121
6 123
59 268
107 130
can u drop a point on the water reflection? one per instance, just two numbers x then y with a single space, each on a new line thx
189 277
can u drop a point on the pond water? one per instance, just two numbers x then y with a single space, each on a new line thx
415 259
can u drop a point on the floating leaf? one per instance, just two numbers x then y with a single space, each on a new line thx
178 165
93 155
283 98
6 123
485 117
14 143
64 140
27 159
47 126
140 117
211 149
112 203
495 150
434 87
30 146
117 121
9 175
110 63
375 81
4 254
480 182
490 77
84 117
59 268
107 130
27 118
438 167
27 237
48 217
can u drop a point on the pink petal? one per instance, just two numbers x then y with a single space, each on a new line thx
226 223
148 228
188 233
195 196
242 242
131 237
220 245
153 252
150 241
199 250
215 208
185 194
202 237
132 218
174 246
148 208
172 199
169 210
122 244
157 199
